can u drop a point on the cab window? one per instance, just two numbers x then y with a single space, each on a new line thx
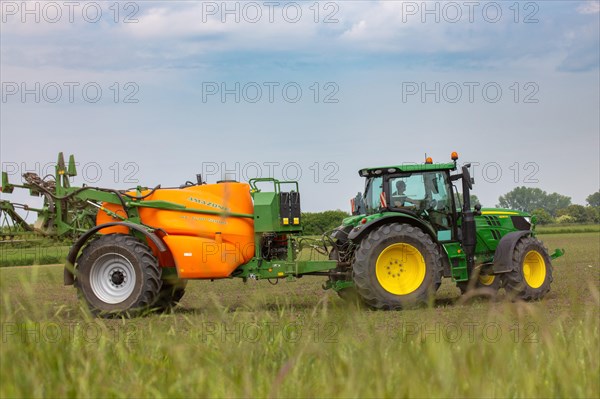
373 192
427 195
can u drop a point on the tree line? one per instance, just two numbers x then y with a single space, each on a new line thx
317 223
552 208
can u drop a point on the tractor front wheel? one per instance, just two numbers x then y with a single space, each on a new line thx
531 276
118 275
482 283
397 266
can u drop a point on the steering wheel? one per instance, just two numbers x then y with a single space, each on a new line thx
432 204
424 204
398 199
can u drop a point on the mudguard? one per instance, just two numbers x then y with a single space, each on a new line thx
69 270
503 261
361 230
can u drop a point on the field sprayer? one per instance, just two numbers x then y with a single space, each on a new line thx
62 215
407 232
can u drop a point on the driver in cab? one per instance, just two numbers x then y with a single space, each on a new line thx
399 199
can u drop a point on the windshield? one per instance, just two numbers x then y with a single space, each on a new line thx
410 191
427 191
373 194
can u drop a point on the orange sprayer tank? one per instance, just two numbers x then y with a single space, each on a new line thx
202 245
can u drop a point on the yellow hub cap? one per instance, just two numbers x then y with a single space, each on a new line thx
486 280
534 269
400 269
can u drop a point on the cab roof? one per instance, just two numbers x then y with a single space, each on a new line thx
426 167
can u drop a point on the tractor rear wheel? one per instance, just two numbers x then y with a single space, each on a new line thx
531 276
170 294
396 266
118 275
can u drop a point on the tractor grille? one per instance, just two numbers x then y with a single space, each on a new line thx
495 234
492 220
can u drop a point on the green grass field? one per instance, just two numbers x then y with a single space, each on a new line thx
573 228
38 254
231 339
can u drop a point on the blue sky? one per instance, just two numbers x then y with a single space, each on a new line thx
355 72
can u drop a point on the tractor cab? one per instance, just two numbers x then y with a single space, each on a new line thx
423 194
421 191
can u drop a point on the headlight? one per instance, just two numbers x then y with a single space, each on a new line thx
528 219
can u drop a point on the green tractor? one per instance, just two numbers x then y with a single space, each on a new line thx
409 230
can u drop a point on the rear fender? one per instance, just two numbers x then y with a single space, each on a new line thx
359 232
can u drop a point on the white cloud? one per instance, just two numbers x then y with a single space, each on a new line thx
589 7
347 26
47 18
181 34
168 22
220 30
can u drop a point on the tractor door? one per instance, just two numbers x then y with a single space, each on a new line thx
427 195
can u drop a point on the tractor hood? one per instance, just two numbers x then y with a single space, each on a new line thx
503 211
519 220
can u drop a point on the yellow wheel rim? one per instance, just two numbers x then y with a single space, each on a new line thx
486 280
534 269
400 269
